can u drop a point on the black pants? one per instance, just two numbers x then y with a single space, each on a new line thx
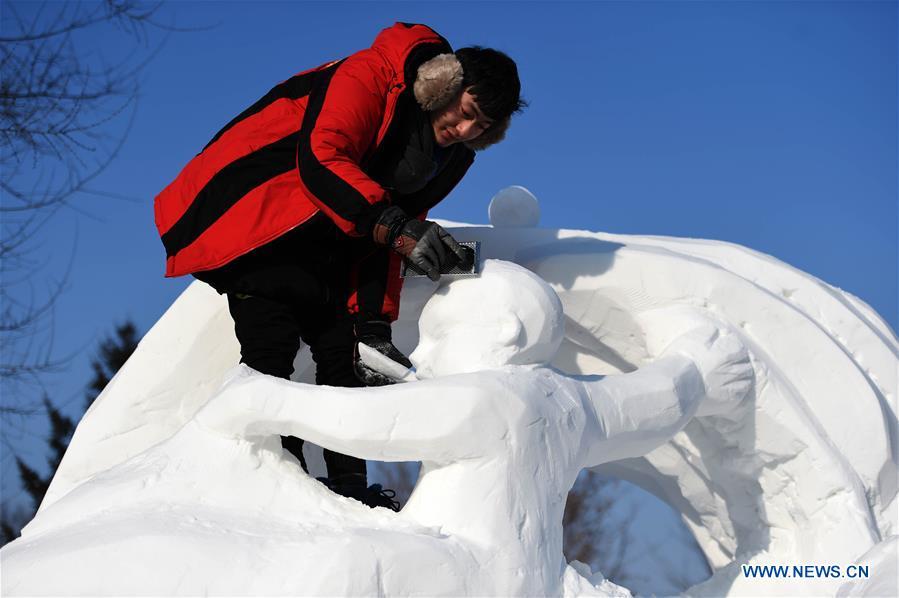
270 332
293 289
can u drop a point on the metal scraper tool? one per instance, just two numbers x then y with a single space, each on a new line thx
384 365
470 266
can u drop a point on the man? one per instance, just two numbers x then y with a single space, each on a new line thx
302 208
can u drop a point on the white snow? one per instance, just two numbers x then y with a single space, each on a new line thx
514 207
483 323
883 560
753 398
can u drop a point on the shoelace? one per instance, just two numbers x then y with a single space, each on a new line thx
386 495
373 496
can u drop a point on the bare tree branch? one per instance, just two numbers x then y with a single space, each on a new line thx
71 18
65 113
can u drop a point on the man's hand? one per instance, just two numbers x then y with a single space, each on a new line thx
424 244
716 349
724 363
376 361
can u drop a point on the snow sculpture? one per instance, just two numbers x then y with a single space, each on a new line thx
500 447
806 474
514 207
790 481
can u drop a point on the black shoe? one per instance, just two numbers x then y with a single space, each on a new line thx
376 496
372 496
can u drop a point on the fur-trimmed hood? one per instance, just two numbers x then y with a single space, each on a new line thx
437 83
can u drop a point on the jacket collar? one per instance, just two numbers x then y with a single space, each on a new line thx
439 80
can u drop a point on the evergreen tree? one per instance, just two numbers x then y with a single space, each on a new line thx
113 352
61 428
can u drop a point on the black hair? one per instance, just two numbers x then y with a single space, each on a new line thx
493 79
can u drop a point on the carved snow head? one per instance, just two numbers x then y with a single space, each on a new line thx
506 316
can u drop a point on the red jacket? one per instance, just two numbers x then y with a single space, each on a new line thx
305 147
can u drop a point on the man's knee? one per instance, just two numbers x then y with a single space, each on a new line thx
332 350
268 333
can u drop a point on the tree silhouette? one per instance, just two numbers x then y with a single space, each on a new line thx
592 533
113 352
65 112
66 107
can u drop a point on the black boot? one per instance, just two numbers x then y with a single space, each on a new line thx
354 486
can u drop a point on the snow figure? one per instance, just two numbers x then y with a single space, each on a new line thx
804 473
218 508
807 475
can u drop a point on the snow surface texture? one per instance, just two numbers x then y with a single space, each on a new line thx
187 499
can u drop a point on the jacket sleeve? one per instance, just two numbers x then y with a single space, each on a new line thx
376 281
345 111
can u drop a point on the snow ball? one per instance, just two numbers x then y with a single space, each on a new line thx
514 207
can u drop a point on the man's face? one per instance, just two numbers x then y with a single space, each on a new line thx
444 345
461 120
466 326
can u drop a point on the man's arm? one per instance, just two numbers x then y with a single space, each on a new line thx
439 421
704 372
340 125
637 412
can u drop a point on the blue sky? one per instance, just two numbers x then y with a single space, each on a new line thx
769 124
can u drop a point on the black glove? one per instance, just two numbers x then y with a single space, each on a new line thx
376 334
424 244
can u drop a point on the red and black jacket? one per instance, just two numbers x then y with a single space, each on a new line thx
313 144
